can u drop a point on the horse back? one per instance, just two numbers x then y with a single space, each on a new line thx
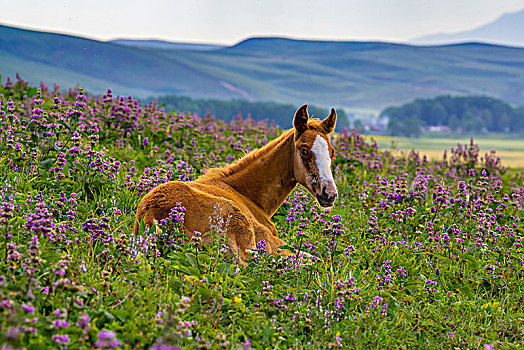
198 199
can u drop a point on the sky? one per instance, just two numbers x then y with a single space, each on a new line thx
228 22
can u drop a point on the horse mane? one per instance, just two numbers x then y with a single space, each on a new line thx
248 159
315 123
245 161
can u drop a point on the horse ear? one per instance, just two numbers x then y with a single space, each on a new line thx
329 123
300 120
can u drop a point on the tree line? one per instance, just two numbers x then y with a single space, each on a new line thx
281 113
464 113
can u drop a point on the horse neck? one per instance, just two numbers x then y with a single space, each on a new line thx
266 176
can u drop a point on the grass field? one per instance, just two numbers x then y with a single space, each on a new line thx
511 151
413 254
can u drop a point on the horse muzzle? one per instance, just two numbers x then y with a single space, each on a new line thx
328 196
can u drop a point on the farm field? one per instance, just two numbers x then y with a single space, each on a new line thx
414 254
511 151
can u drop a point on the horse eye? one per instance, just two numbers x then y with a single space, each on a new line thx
304 152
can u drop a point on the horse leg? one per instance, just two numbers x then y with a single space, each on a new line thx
237 228
241 235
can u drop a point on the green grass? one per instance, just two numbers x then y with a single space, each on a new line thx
486 143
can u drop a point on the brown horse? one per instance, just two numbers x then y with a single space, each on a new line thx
251 190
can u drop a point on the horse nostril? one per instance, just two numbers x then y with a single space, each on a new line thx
331 194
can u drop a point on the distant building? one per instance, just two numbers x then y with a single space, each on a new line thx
437 128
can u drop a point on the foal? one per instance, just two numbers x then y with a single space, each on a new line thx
251 190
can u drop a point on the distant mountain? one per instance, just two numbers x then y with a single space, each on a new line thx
167 45
365 76
505 30
96 65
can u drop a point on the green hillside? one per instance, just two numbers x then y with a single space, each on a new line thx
137 70
356 75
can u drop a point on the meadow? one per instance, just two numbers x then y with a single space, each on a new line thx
415 253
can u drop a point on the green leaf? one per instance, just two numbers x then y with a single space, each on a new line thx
122 315
288 247
47 164
191 259
466 291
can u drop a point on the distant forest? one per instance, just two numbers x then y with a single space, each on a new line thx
466 114
281 114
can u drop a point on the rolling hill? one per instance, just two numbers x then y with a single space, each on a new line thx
355 75
506 30
159 44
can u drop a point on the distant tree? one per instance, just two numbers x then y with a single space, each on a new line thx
503 123
404 127
358 124
412 127
469 113
517 119
454 123
438 116
280 113
472 122
395 126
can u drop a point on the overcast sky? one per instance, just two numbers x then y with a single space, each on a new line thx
227 22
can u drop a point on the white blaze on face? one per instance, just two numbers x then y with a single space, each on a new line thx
323 160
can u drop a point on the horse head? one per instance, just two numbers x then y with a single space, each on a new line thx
313 155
